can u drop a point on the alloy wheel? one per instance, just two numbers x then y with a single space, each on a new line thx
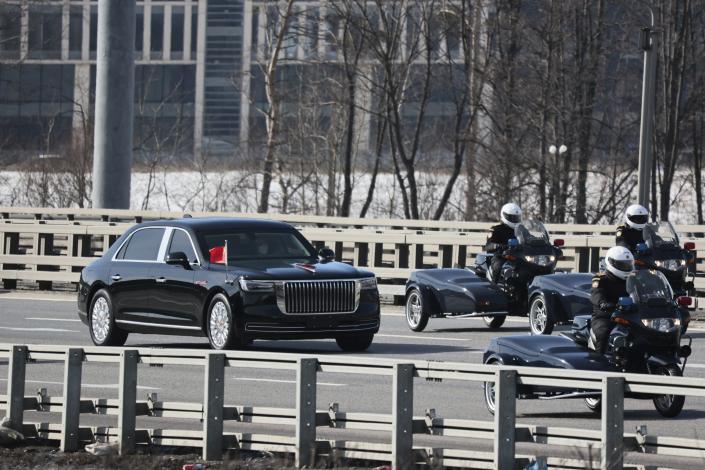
219 324
100 319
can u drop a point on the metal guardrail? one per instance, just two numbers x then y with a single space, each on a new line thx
135 216
405 440
55 251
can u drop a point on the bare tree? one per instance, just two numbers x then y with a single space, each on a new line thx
279 17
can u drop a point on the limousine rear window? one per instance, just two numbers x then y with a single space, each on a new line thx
143 245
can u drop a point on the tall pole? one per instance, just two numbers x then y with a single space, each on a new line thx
114 97
649 43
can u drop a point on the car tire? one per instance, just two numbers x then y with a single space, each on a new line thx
355 342
541 322
495 322
416 310
221 328
488 389
594 404
669 406
101 321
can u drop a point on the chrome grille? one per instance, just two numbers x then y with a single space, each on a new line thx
320 296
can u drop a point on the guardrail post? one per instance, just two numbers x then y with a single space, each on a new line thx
127 401
612 423
306 411
505 418
403 416
70 417
213 391
15 386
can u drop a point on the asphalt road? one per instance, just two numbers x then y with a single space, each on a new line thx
36 318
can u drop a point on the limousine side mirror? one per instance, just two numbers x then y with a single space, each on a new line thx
178 258
326 255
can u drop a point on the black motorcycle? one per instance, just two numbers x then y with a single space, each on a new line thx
662 251
528 255
646 338
471 292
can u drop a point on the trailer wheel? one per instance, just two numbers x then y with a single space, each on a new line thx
489 390
541 321
416 310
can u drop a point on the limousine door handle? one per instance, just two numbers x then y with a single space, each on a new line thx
161 279
116 277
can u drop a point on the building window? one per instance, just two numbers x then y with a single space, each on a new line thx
139 32
94 31
177 32
10 31
75 32
157 32
9 84
44 32
194 32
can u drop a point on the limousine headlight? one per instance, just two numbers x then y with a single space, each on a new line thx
249 285
368 283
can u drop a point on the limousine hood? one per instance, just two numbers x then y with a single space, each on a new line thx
291 270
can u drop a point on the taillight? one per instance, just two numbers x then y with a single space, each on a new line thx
684 301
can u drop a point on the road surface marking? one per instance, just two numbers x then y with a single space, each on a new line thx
41 299
253 379
422 337
48 382
53 330
53 319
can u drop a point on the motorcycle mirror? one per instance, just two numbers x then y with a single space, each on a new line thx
513 243
684 301
558 242
625 302
689 246
642 248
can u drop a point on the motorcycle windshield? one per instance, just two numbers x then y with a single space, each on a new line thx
531 233
649 287
660 235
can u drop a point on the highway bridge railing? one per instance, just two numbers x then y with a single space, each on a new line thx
310 434
45 250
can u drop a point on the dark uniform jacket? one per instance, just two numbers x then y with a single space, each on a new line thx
501 234
629 237
606 291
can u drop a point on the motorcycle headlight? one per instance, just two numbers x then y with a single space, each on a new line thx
663 325
670 264
541 260
249 285
368 283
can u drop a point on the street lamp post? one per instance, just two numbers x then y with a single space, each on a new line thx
556 152
649 44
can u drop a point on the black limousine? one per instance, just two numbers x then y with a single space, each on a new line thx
232 280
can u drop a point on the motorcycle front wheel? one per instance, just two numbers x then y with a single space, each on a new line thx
594 404
495 321
669 406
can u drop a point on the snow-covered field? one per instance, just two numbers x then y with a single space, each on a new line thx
238 191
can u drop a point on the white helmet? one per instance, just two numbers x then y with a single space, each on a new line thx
636 216
510 214
619 261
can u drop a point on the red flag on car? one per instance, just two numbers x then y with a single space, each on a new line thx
219 254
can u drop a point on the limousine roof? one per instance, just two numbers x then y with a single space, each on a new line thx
219 223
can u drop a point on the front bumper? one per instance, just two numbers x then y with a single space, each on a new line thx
262 318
